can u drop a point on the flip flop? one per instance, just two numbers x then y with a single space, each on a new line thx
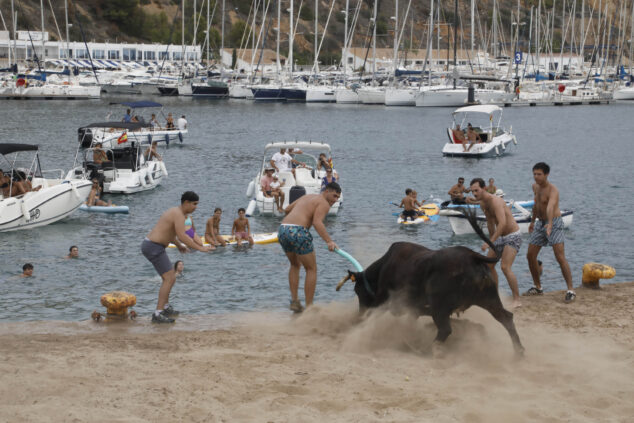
534 291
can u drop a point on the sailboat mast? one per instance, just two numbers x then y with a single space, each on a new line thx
430 40
495 30
183 31
473 25
374 40
222 28
42 14
344 59
67 37
395 37
455 42
316 35
290 41
277 49
207 35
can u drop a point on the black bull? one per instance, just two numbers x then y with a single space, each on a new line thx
436 283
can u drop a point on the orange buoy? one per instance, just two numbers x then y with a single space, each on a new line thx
117 303
592 272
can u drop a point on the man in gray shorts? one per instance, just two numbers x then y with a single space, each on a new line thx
548 231
169 228
503 231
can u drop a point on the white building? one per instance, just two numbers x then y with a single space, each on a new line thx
265 58
26 42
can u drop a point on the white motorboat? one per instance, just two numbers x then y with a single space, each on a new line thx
126 170
54 200
456 97
495 139
461 226
47 91
306 180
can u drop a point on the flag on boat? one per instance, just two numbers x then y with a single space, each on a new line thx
123 138
330 163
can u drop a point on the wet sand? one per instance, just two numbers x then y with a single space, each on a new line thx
328 365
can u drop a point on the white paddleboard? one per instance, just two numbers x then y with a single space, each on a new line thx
260 239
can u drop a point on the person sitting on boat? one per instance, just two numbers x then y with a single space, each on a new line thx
241 228
458 136
190 230
93 197
135 119
99 156
457 191
491 188
151 152
276 191
170 121
182 123
472 137
9 189
330 177
212 230
408 204
324 163
154 123
282 162
128 116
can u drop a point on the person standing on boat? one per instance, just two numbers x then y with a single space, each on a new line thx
154 123
504 232
548 231
297 242
128 116
169 228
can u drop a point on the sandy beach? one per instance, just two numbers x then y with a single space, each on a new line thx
329 365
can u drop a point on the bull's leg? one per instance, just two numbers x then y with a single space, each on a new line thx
441 319
495 307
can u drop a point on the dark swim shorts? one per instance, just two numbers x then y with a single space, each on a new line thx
295 239
156 254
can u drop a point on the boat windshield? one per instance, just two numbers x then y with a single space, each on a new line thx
308 159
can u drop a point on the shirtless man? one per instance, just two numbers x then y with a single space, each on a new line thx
297 242
409 204
457 192
472 136
212 229
151 153
503 231
459 138
169 228
241 228
548 231
99 156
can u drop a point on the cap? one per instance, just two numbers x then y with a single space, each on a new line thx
275 176
499 193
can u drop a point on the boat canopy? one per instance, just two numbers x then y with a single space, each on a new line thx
140 104
8 148
298 144
118 125
481 108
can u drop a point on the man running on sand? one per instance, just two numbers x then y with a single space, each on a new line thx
549 231
504 232
297 242
169 228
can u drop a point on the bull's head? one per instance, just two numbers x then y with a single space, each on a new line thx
350 276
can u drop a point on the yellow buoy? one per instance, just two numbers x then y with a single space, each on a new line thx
117 303
592 272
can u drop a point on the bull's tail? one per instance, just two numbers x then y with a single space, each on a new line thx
470 214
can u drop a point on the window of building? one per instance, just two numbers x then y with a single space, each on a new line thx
149 55
192 56
113 54
81 53
98 54
177 55
350 59
164 55
129 54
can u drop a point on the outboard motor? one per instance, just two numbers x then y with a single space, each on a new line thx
84 136
295 192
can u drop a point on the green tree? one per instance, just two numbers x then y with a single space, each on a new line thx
234 58
236 33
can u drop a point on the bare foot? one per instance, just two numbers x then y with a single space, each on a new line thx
516 304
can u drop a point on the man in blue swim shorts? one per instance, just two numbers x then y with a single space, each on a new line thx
548 231
297 242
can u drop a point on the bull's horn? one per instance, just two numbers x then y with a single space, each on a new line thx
342 281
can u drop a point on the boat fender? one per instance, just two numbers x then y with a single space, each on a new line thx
167 139
142 180
250 189
149 138
497 150
514 140
503 146
149 175
180 137
251 208
163 168
25 211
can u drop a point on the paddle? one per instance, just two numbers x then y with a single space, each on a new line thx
351 259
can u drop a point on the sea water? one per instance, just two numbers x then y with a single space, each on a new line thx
378 153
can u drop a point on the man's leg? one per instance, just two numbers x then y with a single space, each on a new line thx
531 256
169 278
508 256
310 265
560 255
293 274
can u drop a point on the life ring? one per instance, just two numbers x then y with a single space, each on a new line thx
517 90
21 82
497 150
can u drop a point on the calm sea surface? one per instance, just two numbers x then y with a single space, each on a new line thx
378 152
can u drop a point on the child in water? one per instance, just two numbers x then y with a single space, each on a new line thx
212 229
409 203
241 228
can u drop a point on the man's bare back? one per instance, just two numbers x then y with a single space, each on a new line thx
495 209
303 210
545 194
171 225
408 203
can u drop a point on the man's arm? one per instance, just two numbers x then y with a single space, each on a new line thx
533 214
272 162
318 223
553 202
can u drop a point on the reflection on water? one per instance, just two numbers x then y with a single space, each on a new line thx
378 152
